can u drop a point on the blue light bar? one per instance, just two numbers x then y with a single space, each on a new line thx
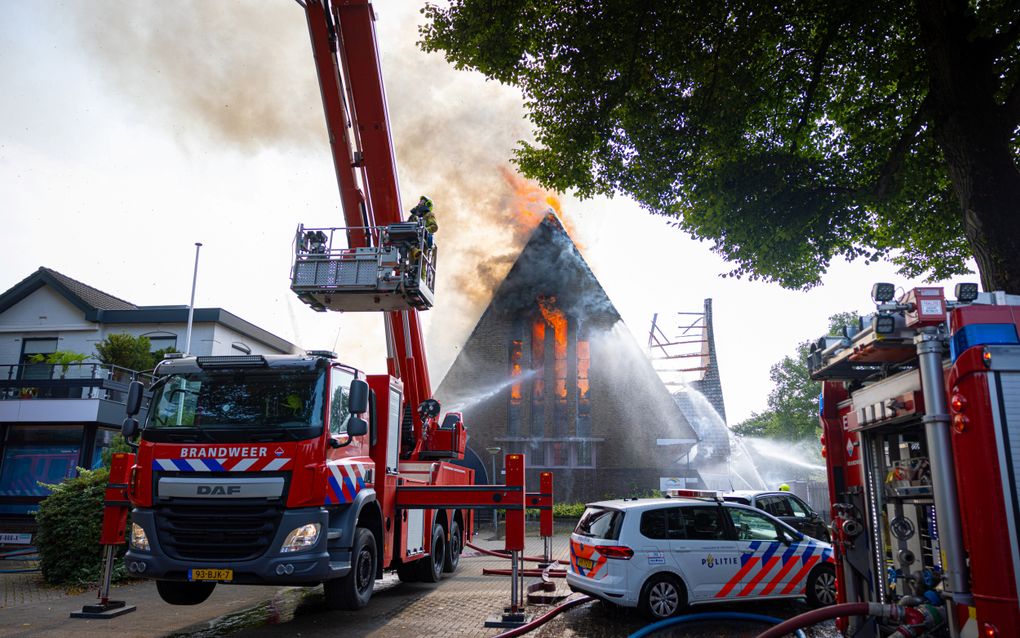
981 334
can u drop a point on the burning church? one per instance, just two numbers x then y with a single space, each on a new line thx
551 371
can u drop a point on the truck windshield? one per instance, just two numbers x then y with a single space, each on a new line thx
225 405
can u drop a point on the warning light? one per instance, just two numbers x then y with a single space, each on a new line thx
989 631
986 358
958 403
824 453
821 439
960 423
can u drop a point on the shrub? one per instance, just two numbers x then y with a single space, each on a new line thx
70 520
568 510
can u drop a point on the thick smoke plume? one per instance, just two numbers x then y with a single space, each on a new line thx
240 75
234 73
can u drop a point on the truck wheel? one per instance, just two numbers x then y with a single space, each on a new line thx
821 586
430 568
177 592
407 572
662 596
354 590
453 549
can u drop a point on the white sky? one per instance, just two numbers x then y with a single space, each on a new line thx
129 131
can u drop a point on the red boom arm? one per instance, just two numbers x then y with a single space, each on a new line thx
344 48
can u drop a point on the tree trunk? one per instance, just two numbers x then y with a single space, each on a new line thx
973 132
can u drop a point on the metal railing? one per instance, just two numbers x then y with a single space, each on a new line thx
71 381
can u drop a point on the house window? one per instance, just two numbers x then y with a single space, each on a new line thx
162 342
29 349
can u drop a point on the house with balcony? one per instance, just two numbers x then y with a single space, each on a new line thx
55 418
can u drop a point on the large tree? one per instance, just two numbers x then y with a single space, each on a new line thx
787 132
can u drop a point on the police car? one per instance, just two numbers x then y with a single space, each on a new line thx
692 548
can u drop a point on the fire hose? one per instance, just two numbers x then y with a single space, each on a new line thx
503 554
915 621
713 615
546 617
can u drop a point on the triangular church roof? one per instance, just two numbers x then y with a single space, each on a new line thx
550 264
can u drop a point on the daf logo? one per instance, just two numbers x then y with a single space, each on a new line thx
217 490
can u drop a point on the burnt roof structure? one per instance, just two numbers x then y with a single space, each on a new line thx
550 370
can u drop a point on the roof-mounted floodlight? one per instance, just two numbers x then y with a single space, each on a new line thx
241 361
883 293
966 293
884 324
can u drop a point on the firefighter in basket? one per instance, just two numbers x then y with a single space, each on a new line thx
422 213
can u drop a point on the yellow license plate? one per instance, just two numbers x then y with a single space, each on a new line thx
210 574
585 563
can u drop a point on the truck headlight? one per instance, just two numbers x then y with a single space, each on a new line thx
138 538
301 538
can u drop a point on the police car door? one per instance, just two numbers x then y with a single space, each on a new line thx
704 550
767 556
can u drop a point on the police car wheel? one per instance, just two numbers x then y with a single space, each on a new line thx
662 596
821 586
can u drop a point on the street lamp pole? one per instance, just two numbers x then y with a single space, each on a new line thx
494 451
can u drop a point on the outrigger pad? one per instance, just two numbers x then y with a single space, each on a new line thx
109 609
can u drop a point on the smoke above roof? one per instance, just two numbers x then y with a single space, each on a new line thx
240 76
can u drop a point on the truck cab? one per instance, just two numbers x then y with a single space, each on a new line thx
252 469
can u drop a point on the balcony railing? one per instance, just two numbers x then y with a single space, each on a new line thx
73 381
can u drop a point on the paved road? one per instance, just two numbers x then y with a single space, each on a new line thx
456 607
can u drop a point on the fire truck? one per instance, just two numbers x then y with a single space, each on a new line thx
920 411
298 469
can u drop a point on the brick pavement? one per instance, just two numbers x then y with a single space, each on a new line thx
457 606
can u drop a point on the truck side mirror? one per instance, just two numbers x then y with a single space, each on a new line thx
133 405
129 428
357 401
357 427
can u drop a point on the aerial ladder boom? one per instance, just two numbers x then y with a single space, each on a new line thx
378 262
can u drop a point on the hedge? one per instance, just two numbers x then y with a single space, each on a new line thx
70 520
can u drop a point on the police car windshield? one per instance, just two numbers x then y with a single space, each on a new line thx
599 522
223 405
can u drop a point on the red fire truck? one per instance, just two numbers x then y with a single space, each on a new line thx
298 469
920 409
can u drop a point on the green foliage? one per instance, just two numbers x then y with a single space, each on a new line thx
785 133
62 358
70 520
793 403
568 510
117 444
128 351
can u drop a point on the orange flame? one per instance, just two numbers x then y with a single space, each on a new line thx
555 318
515 370
583 363
531 204
538 359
